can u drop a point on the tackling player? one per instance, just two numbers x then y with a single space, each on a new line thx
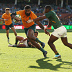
30 27
8 22
23 41
59 30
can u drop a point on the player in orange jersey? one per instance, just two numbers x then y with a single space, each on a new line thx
8 22
30 27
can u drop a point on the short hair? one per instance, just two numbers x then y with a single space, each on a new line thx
36 32
7 8
48 7
27 7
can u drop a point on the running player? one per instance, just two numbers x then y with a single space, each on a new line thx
59 29
30 27
23 41
8 22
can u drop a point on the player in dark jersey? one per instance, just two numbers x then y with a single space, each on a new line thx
59 30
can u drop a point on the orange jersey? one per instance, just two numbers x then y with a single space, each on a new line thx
25 18
7 16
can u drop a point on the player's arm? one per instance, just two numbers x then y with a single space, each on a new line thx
37 19
40 25
49 25
13 16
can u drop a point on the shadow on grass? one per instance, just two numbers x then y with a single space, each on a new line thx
24 47
45 65
2 53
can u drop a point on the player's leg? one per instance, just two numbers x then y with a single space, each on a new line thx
65 42
30 34
7 32
18 38
52 46
13 29
21 45
50 43
33 27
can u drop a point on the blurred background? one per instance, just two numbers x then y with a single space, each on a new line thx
63 8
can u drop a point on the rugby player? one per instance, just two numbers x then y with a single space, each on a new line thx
8 22
23 41
59 30
30 28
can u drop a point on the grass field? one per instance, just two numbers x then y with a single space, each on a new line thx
14 59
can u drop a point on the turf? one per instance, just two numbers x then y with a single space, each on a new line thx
14 59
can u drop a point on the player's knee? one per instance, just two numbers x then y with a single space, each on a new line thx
49 42
17 37
29 36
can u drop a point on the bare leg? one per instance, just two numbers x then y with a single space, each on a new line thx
18 38
21 45
51 41
30 36
7 34
65 42
13 29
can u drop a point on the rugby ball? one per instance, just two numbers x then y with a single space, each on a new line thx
18 17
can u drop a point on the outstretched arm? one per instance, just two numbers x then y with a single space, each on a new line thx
40 25
13 15
37 19
40 18
49 25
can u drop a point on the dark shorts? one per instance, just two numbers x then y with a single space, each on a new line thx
33 27
9 26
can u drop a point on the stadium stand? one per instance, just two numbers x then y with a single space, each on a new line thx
64 13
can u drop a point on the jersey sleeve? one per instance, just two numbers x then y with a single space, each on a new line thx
34 16
48 14
18 12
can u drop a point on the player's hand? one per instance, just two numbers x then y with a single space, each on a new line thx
46 32
29 21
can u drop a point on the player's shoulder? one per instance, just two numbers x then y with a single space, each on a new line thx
32 12
4 13
51 12
22 10
10 13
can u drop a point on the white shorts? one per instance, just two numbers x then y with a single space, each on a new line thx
60 32
25 42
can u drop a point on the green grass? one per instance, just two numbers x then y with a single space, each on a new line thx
14 59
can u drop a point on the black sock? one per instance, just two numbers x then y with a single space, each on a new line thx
8 37
41 49
16 42
37 40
